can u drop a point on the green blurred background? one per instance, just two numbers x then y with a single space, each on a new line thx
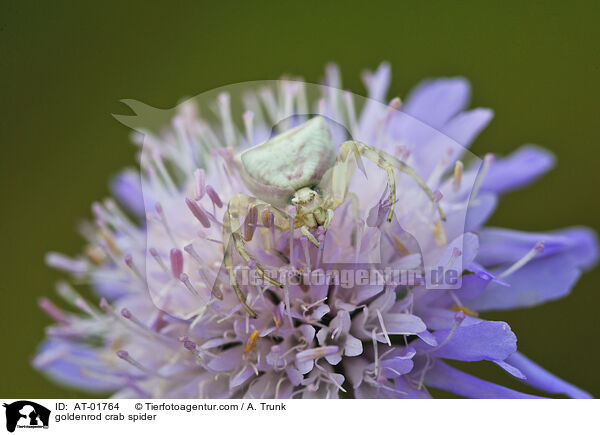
64 66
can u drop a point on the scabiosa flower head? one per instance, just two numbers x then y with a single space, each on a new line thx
210 285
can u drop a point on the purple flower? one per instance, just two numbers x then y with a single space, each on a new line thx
169 324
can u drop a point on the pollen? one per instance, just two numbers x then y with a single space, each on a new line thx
111 244
400 247
251 342
265 216
95 253
467 311
458 171
438 233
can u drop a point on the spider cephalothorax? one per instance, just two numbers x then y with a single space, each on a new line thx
299 168
310 209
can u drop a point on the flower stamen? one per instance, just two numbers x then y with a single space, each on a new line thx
537 249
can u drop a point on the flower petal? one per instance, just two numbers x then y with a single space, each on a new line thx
442 318
76 366
502 246
446 378
435 102
480 211
452 140
354 368
127 187
549 275
353 346
396 366
377 84
544 380
241 377
227 360
511 369
403 323
487 340
518 169
539 281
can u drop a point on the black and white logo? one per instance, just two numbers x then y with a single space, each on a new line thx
26 414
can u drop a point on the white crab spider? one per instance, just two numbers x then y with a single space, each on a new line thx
298 168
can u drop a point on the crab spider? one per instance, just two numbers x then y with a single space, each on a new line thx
299 168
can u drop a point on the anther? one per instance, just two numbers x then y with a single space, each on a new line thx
198 213
105 306
176 258
399 245
192 347
154 253
402 152
459 317
457 178
200 184
131 265
277 316
70 295
189 345
109 242
466 310
396 103
190 250
439 235
268 219
124 355
53 311
250 222
214 196
251 342
185 279
95 253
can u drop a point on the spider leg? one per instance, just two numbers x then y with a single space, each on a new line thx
234 232
388 163
228 260
308 234
336 182
328 219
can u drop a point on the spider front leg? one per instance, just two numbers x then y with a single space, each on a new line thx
251 208
388 163
306 232
336 183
